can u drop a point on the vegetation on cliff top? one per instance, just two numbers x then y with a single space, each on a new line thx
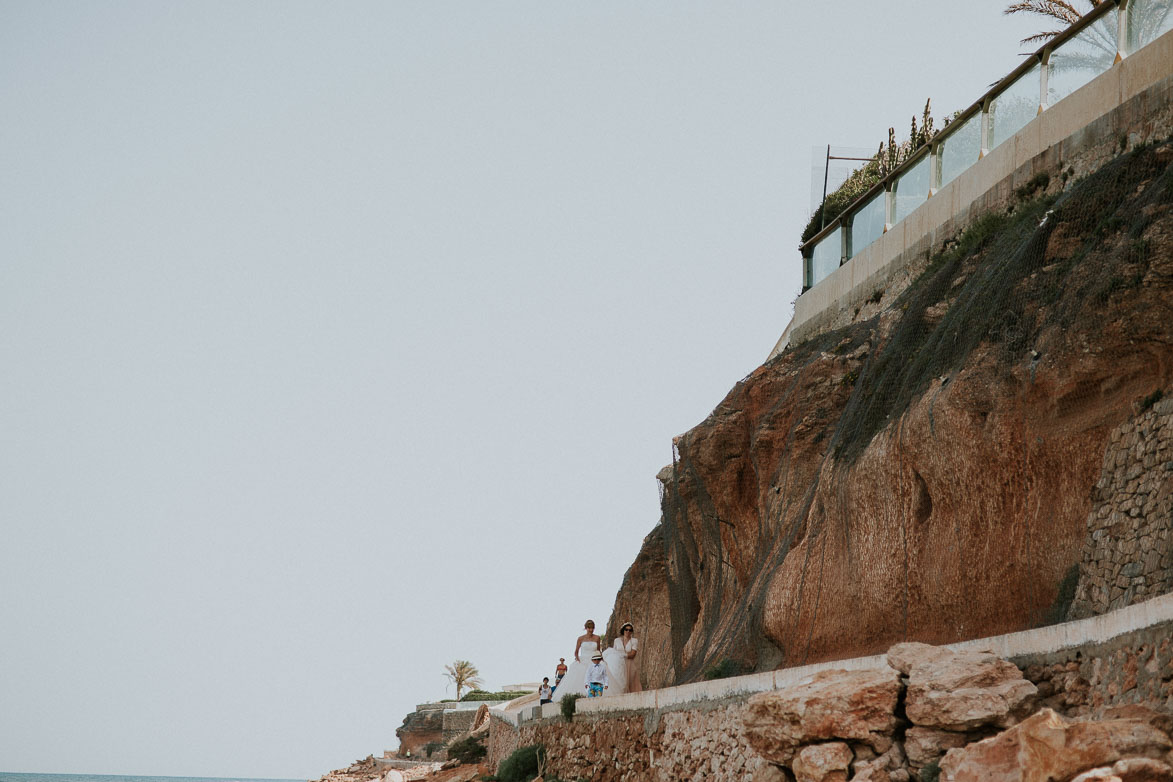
887 158
503 695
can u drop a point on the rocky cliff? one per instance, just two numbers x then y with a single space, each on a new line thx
930 471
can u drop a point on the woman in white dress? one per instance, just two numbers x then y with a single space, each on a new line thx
621 661
575 679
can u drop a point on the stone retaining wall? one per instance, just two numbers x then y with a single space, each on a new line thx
1128 555
504 738
1080 682
457 723
1125 657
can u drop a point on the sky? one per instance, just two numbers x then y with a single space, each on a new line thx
340 341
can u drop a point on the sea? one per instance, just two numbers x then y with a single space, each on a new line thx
7 776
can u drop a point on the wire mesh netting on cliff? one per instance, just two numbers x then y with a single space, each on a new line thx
985 448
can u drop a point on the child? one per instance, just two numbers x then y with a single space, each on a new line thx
596 677
545 694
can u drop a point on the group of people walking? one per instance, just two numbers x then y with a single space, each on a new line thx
597 671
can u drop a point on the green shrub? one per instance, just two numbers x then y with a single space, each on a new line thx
860 181
1036 183
483 695
568 705
432 747
931 772
522 765
468 750
723 669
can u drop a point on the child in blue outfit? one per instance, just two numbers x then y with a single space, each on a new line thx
596 677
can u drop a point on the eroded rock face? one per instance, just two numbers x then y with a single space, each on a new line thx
419 729
852 493
961 691
1047 746
643 601
834 706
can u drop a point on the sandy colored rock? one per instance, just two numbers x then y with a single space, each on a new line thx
1136 711
827 762
1048 747
871 772
833 705
924 745
770 773
1142 770
961 691
1104 774
1129 770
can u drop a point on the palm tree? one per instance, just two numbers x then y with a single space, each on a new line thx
1095 49
1147 20
1057 10
463 674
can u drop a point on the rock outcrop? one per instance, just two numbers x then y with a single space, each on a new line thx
961 691
1048 746
835 706
421 728
928 473
866 726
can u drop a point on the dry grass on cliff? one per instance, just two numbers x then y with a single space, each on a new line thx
1054 261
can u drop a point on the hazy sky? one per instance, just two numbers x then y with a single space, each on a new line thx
331 333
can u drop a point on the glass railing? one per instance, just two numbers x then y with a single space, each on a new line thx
1015 106
1081 58
867 223
910 189
1070 60
1148 20
961 149
826 255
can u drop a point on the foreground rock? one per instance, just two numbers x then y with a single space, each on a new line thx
849 726
827 762
857 706
961 691
1048 746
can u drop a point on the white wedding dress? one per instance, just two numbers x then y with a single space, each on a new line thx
575 679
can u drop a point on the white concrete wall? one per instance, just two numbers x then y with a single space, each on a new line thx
1061 123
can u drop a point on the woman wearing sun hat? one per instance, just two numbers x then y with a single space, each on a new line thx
623 662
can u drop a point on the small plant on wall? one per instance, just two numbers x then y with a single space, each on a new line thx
568 706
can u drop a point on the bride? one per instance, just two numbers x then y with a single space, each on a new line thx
574 681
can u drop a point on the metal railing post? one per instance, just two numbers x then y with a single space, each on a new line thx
934 168
1121 31
1044 77
985 123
